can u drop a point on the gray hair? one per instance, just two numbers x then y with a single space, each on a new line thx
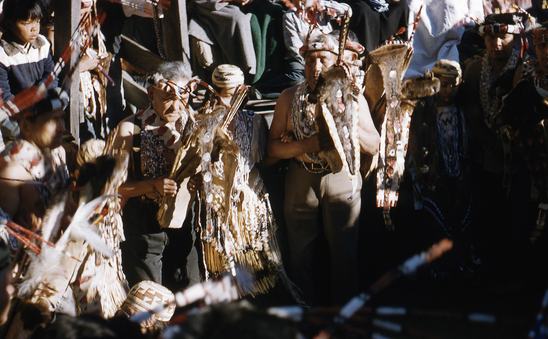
170 70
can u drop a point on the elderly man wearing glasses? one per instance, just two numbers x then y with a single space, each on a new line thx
152 138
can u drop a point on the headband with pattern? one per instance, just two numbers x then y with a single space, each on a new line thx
499 28
447 68
540 35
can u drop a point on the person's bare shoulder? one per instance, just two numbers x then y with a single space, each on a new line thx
13 170
287 95
125 133
472 71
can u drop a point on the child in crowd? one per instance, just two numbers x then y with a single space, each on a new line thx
25 55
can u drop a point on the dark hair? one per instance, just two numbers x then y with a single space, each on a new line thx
89 326
15 10
54 99
504 18
233 321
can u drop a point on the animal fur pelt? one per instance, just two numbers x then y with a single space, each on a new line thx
337 111
391 60
421 87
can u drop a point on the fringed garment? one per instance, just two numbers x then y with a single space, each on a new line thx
100 285
239 228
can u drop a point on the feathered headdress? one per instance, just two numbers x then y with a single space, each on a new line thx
517 22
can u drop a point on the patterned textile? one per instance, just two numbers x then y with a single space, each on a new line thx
379 5
155 135
439 162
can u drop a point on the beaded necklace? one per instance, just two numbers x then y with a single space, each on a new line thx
489 100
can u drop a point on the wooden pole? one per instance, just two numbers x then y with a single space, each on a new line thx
67 14
175 32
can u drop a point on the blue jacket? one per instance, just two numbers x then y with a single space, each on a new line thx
23 66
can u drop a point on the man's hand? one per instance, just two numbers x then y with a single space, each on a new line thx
287 137
165 186
195 183
88 63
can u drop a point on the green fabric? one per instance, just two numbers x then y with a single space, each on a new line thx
266 29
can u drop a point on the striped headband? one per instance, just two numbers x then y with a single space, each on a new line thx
226 76
498 28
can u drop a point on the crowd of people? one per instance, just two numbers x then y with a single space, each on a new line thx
174 204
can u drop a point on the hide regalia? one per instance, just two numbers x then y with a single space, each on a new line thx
92 294
392 107
438 156
93 83
233 213
332 108
237 227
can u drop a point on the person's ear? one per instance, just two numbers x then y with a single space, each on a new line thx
354 57
150 92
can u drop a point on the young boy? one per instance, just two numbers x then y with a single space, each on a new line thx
25 55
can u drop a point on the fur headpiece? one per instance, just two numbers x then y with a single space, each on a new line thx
317 41
227 76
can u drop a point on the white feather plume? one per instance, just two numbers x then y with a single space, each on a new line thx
81 229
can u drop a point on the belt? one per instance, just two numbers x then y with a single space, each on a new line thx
314 167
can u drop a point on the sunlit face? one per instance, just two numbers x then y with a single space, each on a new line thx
25 31
314 63
499 46
47 131
449 87
542 56
6 290
166 104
